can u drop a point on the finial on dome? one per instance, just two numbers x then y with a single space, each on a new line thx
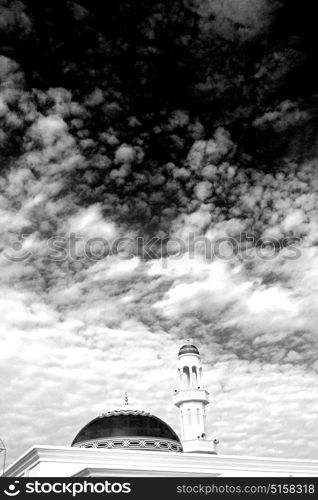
126 399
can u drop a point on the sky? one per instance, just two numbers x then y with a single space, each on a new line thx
158 183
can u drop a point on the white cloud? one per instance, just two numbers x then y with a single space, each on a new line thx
48 129
89 222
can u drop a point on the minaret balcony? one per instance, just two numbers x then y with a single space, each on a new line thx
185 395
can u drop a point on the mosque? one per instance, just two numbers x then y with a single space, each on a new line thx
128 442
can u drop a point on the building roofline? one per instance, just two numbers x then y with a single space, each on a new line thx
100 457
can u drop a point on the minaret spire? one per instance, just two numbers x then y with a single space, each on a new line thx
191 398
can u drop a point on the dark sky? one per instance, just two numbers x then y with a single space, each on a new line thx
221 67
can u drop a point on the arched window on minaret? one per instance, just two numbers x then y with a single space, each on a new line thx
180 377
189 416
198 416
194 378
182 423
186 377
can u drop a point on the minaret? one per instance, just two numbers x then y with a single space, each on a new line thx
191 398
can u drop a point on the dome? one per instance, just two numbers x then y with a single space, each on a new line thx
131 429
188 349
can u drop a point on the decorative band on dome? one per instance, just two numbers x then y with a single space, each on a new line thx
133 443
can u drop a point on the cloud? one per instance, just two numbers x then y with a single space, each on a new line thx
219 293
48 130
124 154
89 222
13 18
230 18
